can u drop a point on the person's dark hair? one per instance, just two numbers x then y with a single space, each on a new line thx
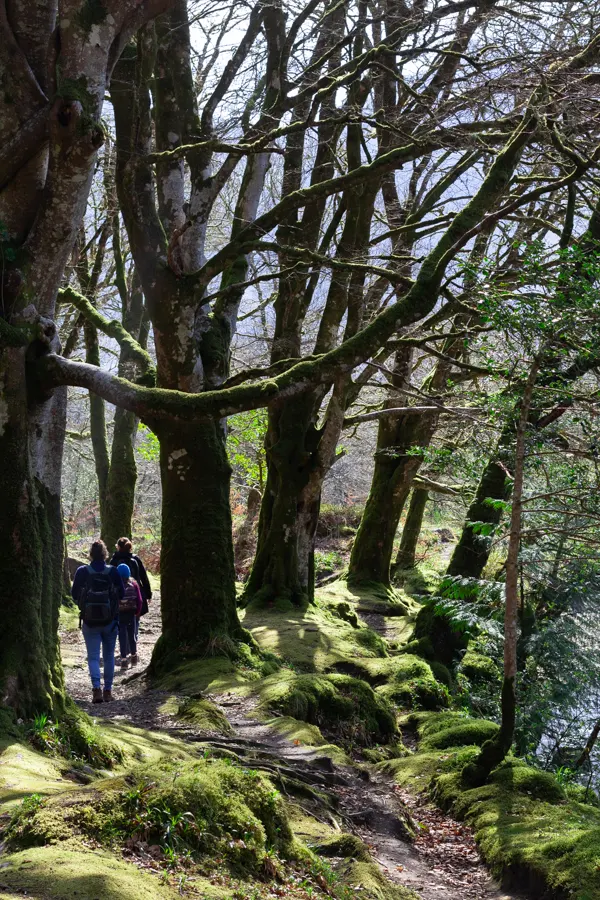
98 551
124 545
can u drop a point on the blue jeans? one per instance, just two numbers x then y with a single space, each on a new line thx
106 638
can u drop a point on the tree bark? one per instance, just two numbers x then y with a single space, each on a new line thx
393 474
197 570
44 186
412 529
494 751
31 570
281 566
471 554
122 476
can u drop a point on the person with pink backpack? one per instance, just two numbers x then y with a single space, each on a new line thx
130 607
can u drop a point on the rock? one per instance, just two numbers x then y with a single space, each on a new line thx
73 565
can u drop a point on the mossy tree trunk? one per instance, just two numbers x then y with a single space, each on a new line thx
197 570
122 476
397 461
282 567
412 529
471 554
166 212
31 562
48 152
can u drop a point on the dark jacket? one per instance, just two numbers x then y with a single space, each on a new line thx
99 566
141 577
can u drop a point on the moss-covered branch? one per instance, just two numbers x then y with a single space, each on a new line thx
110 327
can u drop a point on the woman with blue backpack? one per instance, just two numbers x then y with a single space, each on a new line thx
97 590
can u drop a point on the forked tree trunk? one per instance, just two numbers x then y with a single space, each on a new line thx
412 529
196 566
374 544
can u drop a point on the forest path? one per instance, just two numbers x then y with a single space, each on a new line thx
441 864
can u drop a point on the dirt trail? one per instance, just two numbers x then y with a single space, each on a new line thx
441 864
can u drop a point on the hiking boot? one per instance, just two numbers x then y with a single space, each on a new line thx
134 659
125 663
97 695
107 696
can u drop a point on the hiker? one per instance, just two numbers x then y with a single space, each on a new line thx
124 554
130 608
97 589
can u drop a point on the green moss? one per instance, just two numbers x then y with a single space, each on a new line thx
311 638
527 828
210 806
370 597
87 741
205 715
396 750
64 874
367 877
25 771
514 775
419 769
441 673
474 731
346 846
370 640
416 693
422 647
140 746
216 674
346 705
478 667
444 637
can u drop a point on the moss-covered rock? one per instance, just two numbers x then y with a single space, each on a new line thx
479 668
420 692
440 633
345 705
345 846
420 647
514 775
441 673
469 733
527 828
395 750
204 714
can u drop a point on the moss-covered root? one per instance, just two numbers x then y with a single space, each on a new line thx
494 750
367 877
